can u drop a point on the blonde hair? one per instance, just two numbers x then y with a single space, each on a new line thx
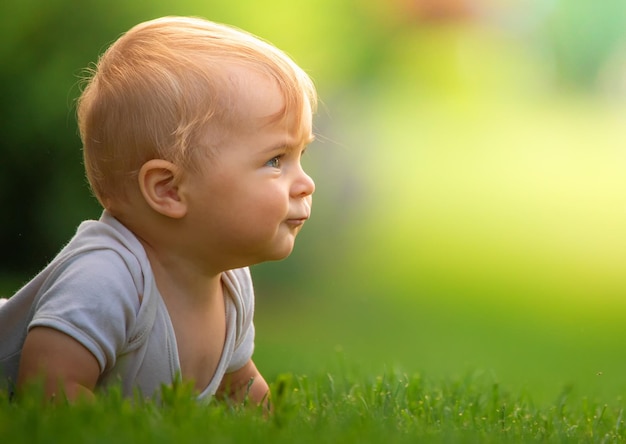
160 87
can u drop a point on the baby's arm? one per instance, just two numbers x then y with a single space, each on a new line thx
236 385
65 365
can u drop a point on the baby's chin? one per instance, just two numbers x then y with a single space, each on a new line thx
284 252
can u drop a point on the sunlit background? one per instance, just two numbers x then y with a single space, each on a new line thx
470 212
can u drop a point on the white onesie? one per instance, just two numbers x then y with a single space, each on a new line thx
100 290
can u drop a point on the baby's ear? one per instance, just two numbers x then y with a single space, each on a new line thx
158 182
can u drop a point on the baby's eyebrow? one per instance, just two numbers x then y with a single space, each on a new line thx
291 145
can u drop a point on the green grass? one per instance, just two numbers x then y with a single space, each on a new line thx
392 407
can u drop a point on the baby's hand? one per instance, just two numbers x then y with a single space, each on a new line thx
247 381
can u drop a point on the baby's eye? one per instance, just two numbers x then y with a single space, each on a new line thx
274 162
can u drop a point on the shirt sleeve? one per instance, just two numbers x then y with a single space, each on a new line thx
93 299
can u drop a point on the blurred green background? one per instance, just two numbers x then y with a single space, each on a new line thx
470 212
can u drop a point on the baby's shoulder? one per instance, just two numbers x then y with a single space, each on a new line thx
102 265
95 278
102 255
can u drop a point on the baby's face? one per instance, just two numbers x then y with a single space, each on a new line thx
252 196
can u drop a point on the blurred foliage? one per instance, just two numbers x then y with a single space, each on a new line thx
43 192
347 46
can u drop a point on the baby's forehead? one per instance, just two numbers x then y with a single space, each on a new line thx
256 94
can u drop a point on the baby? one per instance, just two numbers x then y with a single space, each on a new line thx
192 135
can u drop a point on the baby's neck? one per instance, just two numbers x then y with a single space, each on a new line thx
182 284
